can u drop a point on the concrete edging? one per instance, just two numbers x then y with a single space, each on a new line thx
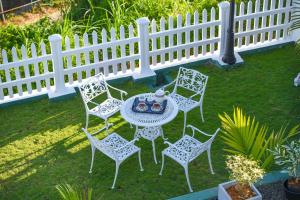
213 192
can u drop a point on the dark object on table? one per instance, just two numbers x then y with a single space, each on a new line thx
148 106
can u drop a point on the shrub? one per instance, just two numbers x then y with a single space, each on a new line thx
288 156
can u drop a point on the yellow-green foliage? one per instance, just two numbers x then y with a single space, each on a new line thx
244 170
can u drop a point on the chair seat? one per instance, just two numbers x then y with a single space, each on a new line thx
186 143
149 133
184 104
107 108
115 141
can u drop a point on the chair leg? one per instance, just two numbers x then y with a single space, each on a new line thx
116 174
209 161
92 162
186 170
153 149
86 121
162 163
184 125
201 111
140 161
162 134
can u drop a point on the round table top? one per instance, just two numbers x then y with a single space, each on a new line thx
146 119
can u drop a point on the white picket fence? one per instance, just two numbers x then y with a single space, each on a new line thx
157 45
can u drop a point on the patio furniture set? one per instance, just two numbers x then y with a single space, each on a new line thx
148 113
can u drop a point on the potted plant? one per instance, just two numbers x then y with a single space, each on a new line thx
244 172
288 156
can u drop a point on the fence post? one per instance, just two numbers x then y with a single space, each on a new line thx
143 34
224 9
57 60
290 14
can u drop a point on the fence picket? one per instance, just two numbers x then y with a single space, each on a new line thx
131 47
241 23
196 33
104 50
286 18
271 22
154 40
26 68
86 53
7 73
179 37
279 19
204 30
162 40
95 52
113 49
171 38
78 57
187 35
17 70
212 29
256 20
36 67
264 19
122 46
69 59
248 22
45 64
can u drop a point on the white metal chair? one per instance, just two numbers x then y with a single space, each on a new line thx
94 87
188 149
193 81
150 133
115 147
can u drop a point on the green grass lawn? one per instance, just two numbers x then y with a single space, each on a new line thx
42 145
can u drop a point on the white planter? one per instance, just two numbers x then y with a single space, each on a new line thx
297 80
223 195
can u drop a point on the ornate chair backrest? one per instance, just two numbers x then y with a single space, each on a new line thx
191 80
196 151
93 87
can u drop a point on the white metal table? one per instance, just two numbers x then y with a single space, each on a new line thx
151 123
146 119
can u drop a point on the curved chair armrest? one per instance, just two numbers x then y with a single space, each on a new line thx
198 93
127 144
197 130
122 92
94 103
172 145
169 84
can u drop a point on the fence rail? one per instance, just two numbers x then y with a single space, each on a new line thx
169 42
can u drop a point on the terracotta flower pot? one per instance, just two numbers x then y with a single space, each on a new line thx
289 193
223 195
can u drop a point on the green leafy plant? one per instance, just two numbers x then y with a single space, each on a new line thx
288 156
244 135
245 172
67 192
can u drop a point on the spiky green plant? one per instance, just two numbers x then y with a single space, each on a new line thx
242 134
67 192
